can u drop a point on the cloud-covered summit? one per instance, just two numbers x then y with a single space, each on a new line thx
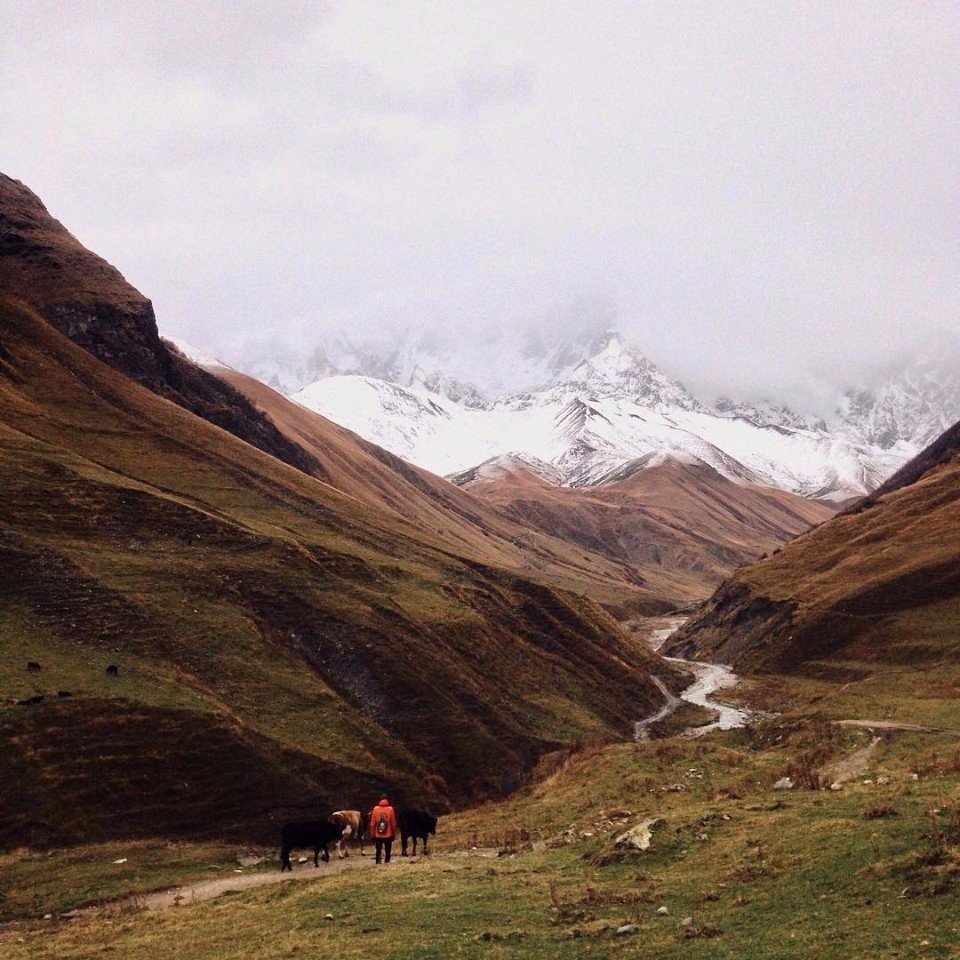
752 193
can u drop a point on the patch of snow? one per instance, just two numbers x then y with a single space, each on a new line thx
197 356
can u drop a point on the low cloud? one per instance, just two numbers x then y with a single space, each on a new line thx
765 198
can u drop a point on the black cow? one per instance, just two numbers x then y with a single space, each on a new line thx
309 833
416 824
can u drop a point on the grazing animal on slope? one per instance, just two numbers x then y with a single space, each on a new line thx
351 822
318 834
416 824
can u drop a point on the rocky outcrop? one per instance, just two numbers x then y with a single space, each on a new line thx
735 621
45 267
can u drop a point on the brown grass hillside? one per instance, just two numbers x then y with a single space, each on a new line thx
879 584
282 645
469 523
46 268
683 525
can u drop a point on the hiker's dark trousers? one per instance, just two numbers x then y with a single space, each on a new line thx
383 846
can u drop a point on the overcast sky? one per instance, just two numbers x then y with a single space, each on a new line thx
756 191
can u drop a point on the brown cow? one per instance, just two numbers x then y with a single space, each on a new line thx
352 824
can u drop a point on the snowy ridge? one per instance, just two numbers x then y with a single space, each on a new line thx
199 357
615 409
914 406
509 463
601 409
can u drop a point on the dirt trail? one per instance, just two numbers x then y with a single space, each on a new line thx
200 890
641 728
858 762
853 766
896 725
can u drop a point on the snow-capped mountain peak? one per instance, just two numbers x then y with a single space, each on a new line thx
619 370
912 407
601 406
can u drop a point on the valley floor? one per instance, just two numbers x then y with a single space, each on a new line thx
871 869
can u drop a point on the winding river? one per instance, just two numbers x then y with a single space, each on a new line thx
709 678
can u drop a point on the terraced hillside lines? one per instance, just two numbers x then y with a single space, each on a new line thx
119 770
879 584
223 581
683 525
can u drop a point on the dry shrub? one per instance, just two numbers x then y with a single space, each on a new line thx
696 930
669 752
746 873
804 769
933 763
609 857
944 834
567 909
570 757
620 897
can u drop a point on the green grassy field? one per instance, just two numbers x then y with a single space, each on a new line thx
866 871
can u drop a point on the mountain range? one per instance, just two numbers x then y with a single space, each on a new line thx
603 413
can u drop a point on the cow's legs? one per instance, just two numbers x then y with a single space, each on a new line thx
403 843
326 854
414 844
285 859
425 853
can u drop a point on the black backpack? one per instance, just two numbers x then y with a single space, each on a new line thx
382 825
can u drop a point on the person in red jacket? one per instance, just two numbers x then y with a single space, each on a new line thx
383 827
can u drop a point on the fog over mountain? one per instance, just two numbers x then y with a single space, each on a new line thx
764 199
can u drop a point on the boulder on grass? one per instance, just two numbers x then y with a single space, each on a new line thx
640 836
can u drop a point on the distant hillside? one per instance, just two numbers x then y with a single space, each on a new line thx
682 524
282 645
879 583
471 523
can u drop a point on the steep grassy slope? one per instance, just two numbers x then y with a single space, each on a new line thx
379 478
683 525
134 531
42 265
878 584
281 644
